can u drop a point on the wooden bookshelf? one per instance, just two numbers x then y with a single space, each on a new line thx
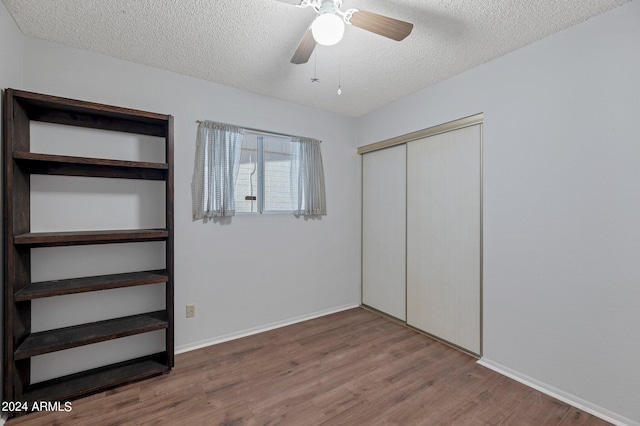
20 108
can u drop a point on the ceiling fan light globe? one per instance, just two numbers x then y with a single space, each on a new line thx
327 29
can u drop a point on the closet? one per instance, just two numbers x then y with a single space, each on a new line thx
426 268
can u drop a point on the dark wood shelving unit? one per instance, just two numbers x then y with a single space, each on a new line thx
20 344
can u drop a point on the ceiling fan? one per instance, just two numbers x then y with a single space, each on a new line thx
328 27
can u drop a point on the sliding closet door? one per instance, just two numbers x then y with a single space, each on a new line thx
443 236
383 230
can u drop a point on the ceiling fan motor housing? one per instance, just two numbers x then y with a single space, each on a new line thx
328 6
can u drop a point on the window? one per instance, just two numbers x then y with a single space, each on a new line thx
250 171
264 182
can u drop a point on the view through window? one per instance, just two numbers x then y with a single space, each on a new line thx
263 184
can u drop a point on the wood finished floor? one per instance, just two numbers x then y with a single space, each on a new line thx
349 368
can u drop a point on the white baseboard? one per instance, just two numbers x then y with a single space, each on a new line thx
251 331
563 396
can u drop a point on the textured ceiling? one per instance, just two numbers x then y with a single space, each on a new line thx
248 43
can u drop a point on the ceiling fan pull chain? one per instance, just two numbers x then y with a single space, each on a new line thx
315 78
339 92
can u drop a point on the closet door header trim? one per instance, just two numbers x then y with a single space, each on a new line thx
431 131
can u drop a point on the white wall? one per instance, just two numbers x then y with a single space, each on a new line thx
561 204
11 44
255 272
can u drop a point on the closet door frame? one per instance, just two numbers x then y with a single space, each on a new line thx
432 131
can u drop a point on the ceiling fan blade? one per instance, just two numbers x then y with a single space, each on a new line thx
383 25
305 49
293 2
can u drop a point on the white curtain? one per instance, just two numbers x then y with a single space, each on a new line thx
218 149
307 178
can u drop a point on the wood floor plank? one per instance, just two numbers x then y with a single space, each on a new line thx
84 411
576 417
363 413
538 409
351 368
414 390
485 404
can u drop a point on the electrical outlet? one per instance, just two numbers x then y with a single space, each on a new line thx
191 311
